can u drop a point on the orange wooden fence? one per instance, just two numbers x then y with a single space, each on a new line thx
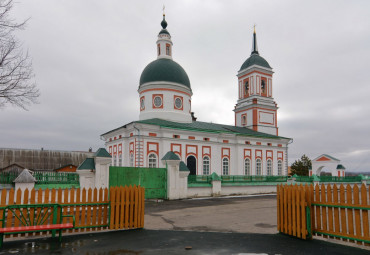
326 210
94 210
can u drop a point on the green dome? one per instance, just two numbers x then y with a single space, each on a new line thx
164 70
255 59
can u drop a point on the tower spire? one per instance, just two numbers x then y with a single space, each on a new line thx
254 43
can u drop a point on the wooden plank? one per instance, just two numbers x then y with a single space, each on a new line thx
136 207
303 212
281 209
343 216
294 213
324 210
65 209
356 201
25 211
312 198
298 212
290 188
350 211
122 209
95 200
2 204
285 210
140 207
308 203
318 213
127 208
100 208
106 207
88 214
112 207
53 199
118 204
78 210
72 208
329 195
17 211
131 224
83 210
278 206
336 211
365 213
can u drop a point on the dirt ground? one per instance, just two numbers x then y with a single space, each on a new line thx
255 214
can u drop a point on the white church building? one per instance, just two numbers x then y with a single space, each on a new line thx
166 122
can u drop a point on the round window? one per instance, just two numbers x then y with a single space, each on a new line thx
157 101
178 103
142 104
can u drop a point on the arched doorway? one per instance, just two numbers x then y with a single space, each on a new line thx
191 163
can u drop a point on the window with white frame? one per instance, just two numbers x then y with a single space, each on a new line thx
258 167
225 166
269 167
131 159
247 166
280 167
120 160
206 165
152 160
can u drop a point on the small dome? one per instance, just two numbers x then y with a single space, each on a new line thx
255 59
164 70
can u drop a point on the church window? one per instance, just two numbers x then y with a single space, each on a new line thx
178 103
246 88
225 166
157 101
206 165
131 159
142 103
244 120
247 166
168 50
159 49
280 168
152 160
269 167
263 87
120 160
258 167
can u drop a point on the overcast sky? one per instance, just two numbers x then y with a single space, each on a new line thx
88 57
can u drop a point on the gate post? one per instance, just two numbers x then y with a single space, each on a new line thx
177 181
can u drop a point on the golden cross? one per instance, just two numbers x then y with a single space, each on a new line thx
254 27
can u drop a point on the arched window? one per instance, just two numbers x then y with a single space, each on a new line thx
247 166
152 160
120 160
258 167
244 120
168 51
246 88
263 86
269 167
206 165
131 159
159 50
280 167
225 166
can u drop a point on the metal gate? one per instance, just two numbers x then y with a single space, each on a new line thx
154 180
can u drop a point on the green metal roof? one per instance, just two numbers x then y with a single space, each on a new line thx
170 156
183 167
208 127
164 31
88 164
101 152
340 166
164 70
255 59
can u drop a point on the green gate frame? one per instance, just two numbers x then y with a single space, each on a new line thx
154 180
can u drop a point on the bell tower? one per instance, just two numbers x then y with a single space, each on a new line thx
256 108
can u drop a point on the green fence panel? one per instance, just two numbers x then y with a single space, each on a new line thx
154 180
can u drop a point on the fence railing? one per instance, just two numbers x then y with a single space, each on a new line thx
8 177
199 179
56 178
253 178
328 178
330 211
116 208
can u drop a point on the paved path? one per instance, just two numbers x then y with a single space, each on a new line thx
256 214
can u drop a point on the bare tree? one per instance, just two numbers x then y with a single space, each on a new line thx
17 86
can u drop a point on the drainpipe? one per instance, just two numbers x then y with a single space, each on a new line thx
138 132
286 158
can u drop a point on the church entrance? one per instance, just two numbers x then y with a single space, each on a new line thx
191 163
